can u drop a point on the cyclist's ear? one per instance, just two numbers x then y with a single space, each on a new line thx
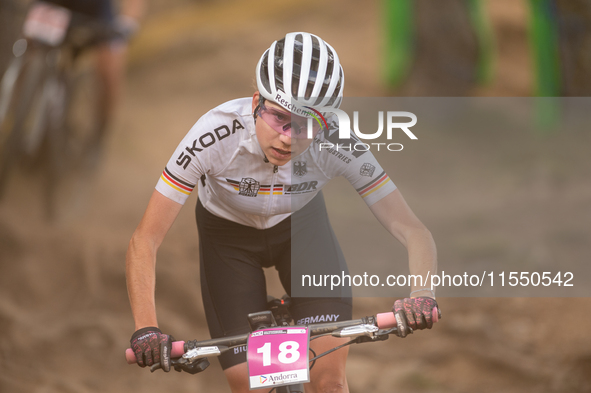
255 101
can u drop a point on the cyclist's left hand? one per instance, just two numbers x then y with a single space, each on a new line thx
415 313
152 348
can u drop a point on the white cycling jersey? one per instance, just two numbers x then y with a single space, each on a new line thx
221 151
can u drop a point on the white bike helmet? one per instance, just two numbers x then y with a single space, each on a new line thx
299 71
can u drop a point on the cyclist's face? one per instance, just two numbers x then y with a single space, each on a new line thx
278 146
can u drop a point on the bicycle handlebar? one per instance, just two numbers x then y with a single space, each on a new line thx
383 321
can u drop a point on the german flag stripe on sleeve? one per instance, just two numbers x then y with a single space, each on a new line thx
176 183
374 185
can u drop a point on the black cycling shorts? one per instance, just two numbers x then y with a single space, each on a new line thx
100 9
232 258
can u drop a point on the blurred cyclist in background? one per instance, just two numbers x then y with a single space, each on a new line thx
110 55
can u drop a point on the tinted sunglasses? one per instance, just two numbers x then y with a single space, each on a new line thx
285 122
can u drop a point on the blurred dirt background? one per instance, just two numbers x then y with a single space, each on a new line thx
64 315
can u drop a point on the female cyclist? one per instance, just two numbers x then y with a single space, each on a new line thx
255 211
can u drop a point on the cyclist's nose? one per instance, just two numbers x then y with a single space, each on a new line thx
285 139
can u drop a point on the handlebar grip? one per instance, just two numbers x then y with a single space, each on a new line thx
387 320
178 349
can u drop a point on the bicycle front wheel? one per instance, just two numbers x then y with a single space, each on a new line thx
86 119
22 110
74 140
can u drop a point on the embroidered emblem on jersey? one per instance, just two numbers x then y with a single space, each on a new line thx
176 183
367 169
374 185
248 187
300 168
261 189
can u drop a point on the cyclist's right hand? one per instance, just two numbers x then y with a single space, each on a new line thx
152 348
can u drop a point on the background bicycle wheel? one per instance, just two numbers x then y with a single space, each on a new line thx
74 145
64 315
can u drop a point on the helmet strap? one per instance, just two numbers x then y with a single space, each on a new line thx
258 107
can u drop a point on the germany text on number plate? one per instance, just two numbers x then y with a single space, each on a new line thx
278 356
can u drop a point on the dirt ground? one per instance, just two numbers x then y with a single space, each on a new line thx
65 319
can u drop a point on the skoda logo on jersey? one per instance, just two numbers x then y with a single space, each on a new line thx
249 187
300 168
367 169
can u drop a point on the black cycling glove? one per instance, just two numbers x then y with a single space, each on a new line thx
151 347
416 313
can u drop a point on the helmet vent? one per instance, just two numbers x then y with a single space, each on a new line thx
298 48
278 61
264 72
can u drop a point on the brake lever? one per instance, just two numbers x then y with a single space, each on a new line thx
194 367
182 364
380 335
366 339
409 330
394 330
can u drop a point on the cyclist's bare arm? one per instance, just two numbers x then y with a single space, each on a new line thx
133 8
112 56
141 257
396 216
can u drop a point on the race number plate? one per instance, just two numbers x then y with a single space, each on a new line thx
278 356
47 23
